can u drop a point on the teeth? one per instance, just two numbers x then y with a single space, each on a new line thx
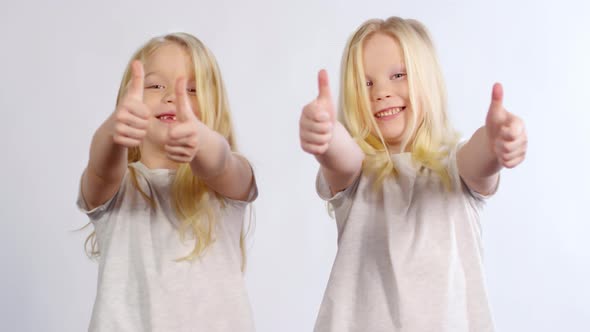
388 112
168 117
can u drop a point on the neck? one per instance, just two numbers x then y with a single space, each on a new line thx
394 148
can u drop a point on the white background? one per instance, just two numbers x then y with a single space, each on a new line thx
60 66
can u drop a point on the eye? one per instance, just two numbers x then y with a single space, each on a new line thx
155 86
191 91
369 83
398 76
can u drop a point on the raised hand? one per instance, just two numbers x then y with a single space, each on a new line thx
506 133
183 141
316 125
131 116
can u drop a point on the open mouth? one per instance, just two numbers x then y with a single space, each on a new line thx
168 117
389 112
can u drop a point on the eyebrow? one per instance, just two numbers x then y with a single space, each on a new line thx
395 69
189 80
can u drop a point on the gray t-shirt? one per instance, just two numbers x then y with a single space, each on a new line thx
140 285
409 255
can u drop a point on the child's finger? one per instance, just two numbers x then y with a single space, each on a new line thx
181 131
122 129
514 162
316 127
136 84
177 150
324 86
178 158
513 129
136 108
497 115
507 147
314 149
126 141
315 112
513 155
324 100
131 120
189 143
184 110
315 138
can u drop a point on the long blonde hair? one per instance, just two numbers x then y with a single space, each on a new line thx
433 134
198 218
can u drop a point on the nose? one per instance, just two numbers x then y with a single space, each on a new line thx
382 96
381 92
169 97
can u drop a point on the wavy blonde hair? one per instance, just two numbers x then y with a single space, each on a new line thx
191 196
427 138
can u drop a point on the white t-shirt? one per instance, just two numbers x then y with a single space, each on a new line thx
409 255
140 285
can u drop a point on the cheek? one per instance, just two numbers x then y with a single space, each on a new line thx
151 101
403 91
196 110
373 107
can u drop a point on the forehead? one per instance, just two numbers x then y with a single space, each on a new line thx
381 49
170 58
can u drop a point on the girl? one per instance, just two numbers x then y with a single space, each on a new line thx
167 193
407 197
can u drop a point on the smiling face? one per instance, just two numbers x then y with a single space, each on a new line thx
387 84
163 68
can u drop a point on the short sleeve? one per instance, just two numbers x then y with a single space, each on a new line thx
454 170
342 200
252 194
99 211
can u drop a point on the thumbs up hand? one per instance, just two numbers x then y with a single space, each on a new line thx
183 140
316 125
506 133
132 115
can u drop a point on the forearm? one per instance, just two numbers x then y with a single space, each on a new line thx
343 160
222 170
478 165
213 155
106 167
107 159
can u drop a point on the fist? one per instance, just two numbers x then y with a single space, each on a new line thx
316 124
183 141
506 133
131 116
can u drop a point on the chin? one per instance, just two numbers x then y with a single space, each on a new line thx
393 136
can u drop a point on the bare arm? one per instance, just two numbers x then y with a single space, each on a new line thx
340 157
106 167
208 152
222 170
125 128
341 164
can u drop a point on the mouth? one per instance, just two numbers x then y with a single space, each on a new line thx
167 117
389 113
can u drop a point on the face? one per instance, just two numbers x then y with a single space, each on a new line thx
162 70
387 86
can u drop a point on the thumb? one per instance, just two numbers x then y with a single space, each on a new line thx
325 96
184 111
497 115
324 86
136 87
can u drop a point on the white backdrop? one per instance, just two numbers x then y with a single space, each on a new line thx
60 66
